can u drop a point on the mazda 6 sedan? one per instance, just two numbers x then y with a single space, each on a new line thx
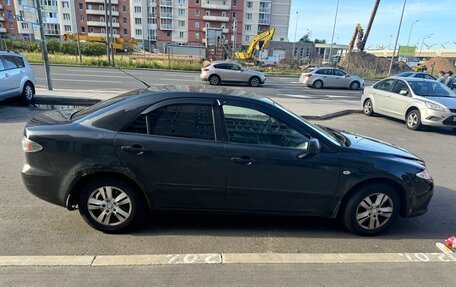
197 149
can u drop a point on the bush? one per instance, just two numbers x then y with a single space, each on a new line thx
15 45
69 48
35 47
93 49
53 46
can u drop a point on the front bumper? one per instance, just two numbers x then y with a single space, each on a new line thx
436 118
419 198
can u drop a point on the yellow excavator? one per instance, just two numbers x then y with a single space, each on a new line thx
258 43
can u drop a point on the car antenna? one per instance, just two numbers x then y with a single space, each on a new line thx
144 83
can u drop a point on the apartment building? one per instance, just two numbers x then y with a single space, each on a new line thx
153 23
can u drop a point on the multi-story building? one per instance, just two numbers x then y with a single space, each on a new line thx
153 23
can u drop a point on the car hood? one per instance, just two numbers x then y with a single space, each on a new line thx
447 102
366 144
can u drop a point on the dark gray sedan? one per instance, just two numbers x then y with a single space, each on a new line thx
195 149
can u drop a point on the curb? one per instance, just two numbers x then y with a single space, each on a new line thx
146 69
72 101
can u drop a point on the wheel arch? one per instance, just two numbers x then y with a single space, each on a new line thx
392 183
409 109
78 184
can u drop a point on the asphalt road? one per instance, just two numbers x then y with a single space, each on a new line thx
31 226
107 79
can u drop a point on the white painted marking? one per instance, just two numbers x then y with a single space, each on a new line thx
74 80
181 75
101 76
294 82
227 258
103 70
334 96
178 79
297 96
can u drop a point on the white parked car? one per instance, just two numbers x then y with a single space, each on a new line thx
16 77
414 100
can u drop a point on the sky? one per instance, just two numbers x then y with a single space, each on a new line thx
437 17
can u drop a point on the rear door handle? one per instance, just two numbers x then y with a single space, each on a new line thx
243 159
6 75
135 149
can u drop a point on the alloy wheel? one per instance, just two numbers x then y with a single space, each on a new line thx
412 120
368 107
28 91
214 80
109 206
374 211
254 82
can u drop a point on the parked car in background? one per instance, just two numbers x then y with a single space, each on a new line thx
194 149
271 60
420 75
415 100
16 77
327 77
218 72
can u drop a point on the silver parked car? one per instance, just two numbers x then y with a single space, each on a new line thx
228 71
417 101
328 77
16 77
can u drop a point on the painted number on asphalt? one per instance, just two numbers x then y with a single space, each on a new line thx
194 258
428 257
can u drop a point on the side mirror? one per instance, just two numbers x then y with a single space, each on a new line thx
313 148
347 76
403 92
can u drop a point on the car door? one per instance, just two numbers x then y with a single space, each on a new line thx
264 170
326 76
340 79
11 76
173 148
397 103
238 73
223 71
3 80
381 92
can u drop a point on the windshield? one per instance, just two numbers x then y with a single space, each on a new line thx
329 136
431 89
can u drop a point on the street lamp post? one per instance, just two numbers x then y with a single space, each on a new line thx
422 42
397 39
411 28
44 51
294 42
334 29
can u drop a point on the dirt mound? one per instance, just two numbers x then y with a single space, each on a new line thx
436 64
364 64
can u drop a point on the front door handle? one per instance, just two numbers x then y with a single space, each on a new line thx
135 149
6 75
243 159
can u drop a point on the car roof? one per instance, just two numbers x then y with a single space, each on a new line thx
410 79
9 53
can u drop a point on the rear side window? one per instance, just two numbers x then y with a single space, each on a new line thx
10 62
20 62
324 72
221 66
182 120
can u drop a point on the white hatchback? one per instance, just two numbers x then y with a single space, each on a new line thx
16 77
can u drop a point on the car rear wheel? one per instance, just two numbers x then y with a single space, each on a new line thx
28 93
355 86
413 120
372 209
110 205
214 80
317 84
254 82
368 108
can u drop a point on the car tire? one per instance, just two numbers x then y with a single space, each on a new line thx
115 206
413 120
214 80
368 108
254 81
317 84
28 93
372 209
355 85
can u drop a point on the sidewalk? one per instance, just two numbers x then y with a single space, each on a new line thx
320 109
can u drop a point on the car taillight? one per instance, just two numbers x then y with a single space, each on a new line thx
205 70
308 75
30 146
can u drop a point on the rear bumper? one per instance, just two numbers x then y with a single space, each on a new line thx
306 81
43 185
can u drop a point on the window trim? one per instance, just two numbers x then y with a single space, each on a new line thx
177 101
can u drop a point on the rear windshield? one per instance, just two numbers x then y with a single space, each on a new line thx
431 89
309 70
406 74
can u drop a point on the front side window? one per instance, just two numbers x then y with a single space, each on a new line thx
182 120
339 73
384 85
2 67
249 126
399 86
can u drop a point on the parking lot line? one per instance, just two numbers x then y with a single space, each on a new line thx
227 258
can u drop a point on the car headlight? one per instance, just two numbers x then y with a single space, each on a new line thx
424 174
436 107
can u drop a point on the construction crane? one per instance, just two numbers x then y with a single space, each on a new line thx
259 43
359 32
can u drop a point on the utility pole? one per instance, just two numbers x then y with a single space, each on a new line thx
234 37
44 51
108 48
294 42
397 39
111 32
334 30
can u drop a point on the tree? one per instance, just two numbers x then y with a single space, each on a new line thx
318 41
306 37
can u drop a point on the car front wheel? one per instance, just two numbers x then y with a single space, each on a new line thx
110 205
413 120
372 209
